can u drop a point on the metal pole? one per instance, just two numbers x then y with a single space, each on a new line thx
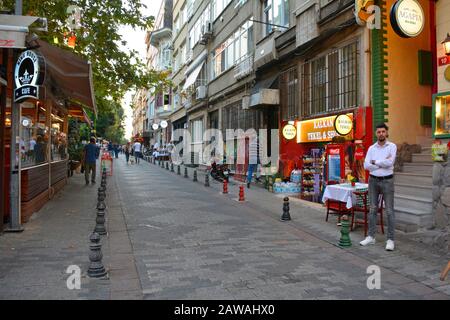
15 219
2 138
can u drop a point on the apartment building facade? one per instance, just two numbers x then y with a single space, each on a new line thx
139 103
158 101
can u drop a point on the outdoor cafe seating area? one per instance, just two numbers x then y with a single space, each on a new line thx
352 200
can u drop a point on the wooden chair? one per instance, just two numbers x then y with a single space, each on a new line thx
365 209
335 206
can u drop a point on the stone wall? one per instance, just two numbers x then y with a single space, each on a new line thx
404 154
441 203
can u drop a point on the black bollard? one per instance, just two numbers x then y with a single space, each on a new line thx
207 179
167 165
185 173
101 206
171 168
100 222
96 268
178 170
101 197
195 176
286 216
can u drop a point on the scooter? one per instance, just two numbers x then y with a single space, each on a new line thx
220 172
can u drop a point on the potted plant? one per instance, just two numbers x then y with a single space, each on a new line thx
352 180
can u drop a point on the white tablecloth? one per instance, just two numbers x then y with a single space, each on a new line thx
343 192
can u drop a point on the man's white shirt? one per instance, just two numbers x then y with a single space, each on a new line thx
384 157
137 147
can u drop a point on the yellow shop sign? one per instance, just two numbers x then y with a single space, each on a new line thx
323 129
289 132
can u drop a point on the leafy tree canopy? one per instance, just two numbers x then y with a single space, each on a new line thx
98 40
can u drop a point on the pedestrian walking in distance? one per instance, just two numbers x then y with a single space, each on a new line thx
137 151
127 151
380 160
90 155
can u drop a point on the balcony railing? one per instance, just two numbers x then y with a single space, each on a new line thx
244 67
187 103
200 82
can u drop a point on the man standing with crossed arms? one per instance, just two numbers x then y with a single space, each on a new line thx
380 160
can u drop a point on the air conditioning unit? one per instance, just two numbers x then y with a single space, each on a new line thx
207 29
206 33
200 92
245 102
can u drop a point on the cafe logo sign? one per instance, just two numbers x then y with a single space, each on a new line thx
323 129
28 75
343 124
407 18
289 132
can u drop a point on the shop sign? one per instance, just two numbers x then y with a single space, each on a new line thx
407 18
289 132
334 151
28 75
343 124
319 130
359 154
442 61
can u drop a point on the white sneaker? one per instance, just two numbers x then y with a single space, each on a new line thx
367 240
390 245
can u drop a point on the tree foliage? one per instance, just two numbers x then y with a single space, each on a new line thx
98 40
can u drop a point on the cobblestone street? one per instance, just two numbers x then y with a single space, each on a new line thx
172 238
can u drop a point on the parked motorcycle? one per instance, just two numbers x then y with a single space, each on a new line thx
220 172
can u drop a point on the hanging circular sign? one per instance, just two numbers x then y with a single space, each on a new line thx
28 75
163 124
289 132
407 18
155 126
447 73
343 124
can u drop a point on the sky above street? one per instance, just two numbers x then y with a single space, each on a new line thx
136 40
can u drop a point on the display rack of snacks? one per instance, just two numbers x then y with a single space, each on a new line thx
311 167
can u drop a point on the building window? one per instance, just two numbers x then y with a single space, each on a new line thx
218 6
197 131
275 12
233 50
289 94
195 32
176 25
331 82
441 123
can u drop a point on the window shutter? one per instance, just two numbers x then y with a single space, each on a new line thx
425 67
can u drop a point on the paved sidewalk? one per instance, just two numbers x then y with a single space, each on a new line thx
192 242
171 238
34 262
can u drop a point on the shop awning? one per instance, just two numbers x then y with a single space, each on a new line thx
268 83
77 111
263 92
70 74
198 60
193 76
13 30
